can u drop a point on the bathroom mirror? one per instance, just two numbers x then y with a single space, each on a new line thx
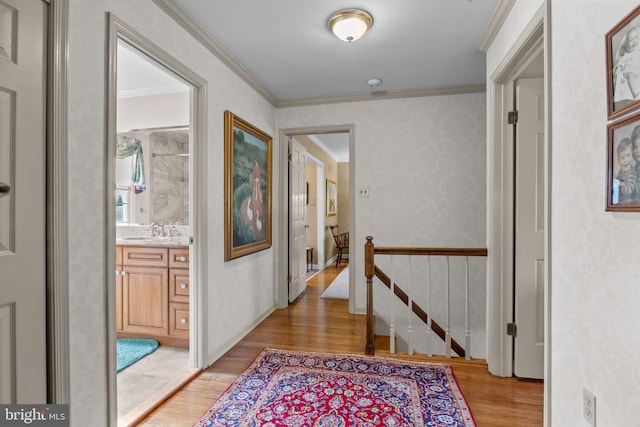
165 196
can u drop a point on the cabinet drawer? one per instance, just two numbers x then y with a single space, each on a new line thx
145 256
179 257
179 319
179 285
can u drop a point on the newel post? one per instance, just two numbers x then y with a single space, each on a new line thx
369 270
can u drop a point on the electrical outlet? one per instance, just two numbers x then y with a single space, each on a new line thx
589 406
364 192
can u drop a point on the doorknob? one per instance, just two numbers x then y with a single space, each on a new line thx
5 189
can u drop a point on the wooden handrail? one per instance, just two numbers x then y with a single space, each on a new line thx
431 251
371 270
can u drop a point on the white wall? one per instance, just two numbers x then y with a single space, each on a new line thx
153 111
239 292
595 290
595 337
424 162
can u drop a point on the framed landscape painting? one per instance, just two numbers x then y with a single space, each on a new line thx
247 188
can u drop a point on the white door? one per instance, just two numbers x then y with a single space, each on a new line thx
297 219
529 223
22 202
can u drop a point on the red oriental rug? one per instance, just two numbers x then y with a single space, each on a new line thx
284 388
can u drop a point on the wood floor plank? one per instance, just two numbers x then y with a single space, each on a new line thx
315 324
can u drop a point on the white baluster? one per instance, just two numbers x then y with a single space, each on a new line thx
467 334
392 329
409 302
447 331
429 333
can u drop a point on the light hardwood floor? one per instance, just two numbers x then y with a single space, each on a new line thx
324 325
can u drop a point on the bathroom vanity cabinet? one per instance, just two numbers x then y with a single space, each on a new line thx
152 293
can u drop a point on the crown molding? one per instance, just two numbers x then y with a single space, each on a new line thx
499 16
450 90
186 22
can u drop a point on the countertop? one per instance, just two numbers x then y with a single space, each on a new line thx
179 241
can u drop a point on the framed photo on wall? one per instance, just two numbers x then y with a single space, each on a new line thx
332 198
623 65
247 188
623 165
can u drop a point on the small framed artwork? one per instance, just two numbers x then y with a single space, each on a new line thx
332 198
247 188
623 65
623 165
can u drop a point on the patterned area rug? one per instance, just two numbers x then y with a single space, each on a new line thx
284 388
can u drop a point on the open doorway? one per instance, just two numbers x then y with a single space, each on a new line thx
519 228
328 201
156 304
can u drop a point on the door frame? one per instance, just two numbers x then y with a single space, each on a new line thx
500 267
282 235
117 29
320 207
58 354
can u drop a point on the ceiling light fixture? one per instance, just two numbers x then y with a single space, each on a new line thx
374 82
350 24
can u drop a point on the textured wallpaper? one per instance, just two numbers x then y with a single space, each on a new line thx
595 291
424 162
240 291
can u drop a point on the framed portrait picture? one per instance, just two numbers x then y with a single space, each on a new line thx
247 188
623 165
332 198
623 65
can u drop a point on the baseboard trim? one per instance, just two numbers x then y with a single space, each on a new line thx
228 345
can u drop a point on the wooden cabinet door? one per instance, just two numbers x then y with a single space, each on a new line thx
119 288
145 300
119 298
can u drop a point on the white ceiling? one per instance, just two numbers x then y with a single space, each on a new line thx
287 48
139 75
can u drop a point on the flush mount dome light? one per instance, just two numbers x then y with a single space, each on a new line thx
350 24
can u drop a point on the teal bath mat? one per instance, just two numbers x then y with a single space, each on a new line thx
130 350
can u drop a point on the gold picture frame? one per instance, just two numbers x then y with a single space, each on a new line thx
331 198
247 188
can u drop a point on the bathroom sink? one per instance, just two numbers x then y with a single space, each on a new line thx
137 238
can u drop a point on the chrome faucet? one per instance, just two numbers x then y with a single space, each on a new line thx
173 229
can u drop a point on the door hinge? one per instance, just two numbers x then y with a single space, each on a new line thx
288 278
512 329
512 117
289 157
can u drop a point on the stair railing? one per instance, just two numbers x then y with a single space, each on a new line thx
371 270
